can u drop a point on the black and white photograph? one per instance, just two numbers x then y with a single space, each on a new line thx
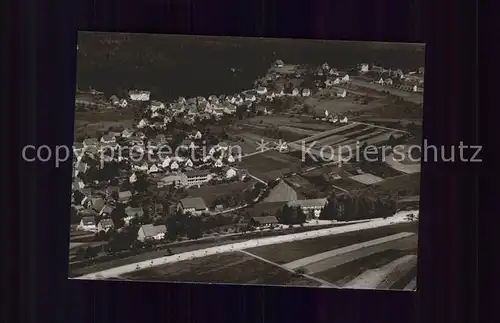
249 161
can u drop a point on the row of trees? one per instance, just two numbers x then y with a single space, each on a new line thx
347 208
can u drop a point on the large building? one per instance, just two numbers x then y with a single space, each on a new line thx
310 207
151 232
196 177
193 205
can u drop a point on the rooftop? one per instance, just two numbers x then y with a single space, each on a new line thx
196 203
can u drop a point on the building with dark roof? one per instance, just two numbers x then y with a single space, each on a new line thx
193 205
282 192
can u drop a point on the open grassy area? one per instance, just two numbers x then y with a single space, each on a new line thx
209 193
270 164
290 251
230 268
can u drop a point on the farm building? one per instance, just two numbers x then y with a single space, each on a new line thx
264 221
193 205
151 232
311 206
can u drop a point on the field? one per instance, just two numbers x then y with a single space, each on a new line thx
210 192
270 165
91 123
376 258
230 268
416 98
291 251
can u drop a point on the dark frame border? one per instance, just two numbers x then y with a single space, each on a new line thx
43 46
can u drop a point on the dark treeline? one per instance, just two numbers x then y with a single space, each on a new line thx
348 208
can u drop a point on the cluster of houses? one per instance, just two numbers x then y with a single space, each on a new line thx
412 81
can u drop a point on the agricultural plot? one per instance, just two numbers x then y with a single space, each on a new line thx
348 184
230 268
287 252
209 193
270 165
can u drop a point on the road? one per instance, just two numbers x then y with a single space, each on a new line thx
375 223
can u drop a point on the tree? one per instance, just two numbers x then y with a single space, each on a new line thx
193 227
117 215
329 212
75 219
78 197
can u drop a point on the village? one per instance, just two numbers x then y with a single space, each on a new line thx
220 168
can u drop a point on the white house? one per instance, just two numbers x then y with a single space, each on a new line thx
156 105
326 113
219 163
415 88
231 172
229 109
238 100
329 82
181 100
364 68
151 232
279 63
231 99
343 120
381 81
174 165
127 133
342 93
346 78
388 82
312 207
166 162
198 135
261 90
123 103
295 92
155 114
250 97
132 178
188 163
230 159
114 100
105 225
306 92
139 95
335 119
336 81
153 169
325 66
142 167
108 140
142 123
88 223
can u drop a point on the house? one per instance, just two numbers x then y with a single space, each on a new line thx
261 90
341 93
263 221
139 95
108 140
380 81
174 166
105 225
213 98
231 99
135 141
218 163
132 178
250 97
193 205
231 172
200 100
87 223
306 92
325 66
132 212
81 168
295 92
127 133
311 207
143 167
114 100
329 82
123 103
343 120
106 210
181 100
282 192
238 100
230 159
346 78
197 177
156 105
124 197
388 82
198 135
175 179
414 88
90 142
229 109
151 232
78 185
142 123
188 163
153 169
279 63
281 146
364 68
